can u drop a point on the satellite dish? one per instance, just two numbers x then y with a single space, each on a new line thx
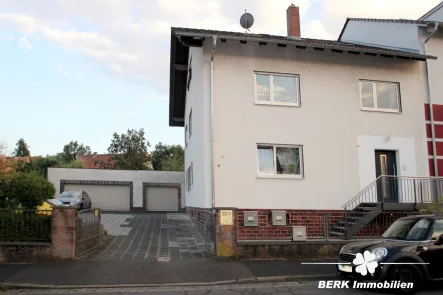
246 21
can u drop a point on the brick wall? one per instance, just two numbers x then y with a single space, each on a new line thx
64 231
315 221
204 222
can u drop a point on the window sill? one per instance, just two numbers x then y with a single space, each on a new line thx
284 104
380 110
280 177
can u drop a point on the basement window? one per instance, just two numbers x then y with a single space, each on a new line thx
280 160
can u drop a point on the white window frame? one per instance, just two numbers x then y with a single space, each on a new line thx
374 95
271 89
275 175
190 123
186 135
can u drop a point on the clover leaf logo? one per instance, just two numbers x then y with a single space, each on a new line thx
365 263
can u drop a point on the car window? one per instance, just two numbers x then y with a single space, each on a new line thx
408 229
418 232
437 229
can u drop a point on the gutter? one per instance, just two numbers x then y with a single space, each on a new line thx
431 109
211 118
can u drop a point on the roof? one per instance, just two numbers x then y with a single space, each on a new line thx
430 12
89 160
382 20
183 38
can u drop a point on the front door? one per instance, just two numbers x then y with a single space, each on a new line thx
386 166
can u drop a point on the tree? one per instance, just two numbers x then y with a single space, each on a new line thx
72 150
22 149
27 190
130 150
73 164
168 157
3 147
41 165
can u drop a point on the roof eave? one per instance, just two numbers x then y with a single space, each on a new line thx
301 43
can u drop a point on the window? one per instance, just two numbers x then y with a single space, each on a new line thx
437 229
190 123
277 89
189 177
280 160
186 135
382 96
189 74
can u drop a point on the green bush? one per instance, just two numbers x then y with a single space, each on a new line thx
27 190
432 208
24 226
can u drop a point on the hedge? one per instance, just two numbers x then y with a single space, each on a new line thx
24 226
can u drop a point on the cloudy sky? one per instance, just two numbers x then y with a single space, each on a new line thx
84 69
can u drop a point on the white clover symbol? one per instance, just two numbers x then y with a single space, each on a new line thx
366 263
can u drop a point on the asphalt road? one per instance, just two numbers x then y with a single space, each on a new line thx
269 289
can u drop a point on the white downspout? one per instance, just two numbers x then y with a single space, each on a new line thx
211 118
431 111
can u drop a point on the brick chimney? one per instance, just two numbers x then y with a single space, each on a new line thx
293 20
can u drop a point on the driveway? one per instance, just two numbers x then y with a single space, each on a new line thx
149 236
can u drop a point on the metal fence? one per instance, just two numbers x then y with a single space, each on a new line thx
25 225
88 230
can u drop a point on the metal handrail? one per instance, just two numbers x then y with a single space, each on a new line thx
361 192
389 176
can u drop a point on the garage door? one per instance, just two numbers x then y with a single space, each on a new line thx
161 198
105 197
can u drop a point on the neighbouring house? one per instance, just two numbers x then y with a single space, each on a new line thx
424 36
92 161
283 132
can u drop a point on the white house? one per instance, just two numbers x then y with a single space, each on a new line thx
283 123
425 36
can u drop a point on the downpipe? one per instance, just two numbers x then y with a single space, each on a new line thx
211 136
431 109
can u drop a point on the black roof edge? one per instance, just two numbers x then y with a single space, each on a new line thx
343 29
171 80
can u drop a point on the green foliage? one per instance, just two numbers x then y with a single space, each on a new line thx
73 164
41 164
72 150
27 190
432 208
24 226
130 150
168 157
22 149
174 163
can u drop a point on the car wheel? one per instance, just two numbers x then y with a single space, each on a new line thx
406 274
81 207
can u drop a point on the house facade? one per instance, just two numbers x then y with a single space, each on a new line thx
280 130
425 36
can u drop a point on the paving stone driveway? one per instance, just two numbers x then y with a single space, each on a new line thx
149 236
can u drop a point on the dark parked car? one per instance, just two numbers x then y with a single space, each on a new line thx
75 198
410 251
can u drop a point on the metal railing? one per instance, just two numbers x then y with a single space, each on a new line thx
25 225
88 230
400 189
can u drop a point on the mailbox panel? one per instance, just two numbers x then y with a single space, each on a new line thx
278 217
250 218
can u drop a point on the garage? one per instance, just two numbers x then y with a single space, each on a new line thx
162 198
106 197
